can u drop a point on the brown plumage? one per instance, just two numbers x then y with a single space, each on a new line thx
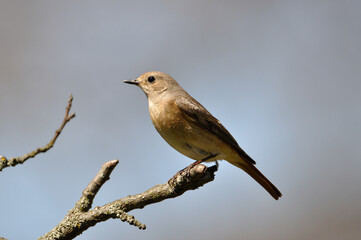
190 129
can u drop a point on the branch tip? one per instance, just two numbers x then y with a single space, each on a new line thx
192 178
124 217
112 163
86 200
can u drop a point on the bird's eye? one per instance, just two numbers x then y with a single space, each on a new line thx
151 79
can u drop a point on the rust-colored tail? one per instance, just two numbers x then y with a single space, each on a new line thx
260 178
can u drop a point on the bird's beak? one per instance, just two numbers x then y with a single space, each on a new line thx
133 81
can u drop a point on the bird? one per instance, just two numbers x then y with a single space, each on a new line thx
190 129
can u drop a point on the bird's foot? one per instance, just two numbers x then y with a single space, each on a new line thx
184 173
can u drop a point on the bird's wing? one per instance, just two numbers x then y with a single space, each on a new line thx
199 114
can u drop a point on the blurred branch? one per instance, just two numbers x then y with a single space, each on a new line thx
4 162
80 218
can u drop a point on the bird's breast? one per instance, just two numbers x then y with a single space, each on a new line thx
166 117
181 133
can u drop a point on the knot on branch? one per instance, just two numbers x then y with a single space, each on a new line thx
192 178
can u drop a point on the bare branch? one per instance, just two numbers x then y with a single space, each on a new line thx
4 162
86 200
80 219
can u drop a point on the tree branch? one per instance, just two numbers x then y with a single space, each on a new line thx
80 218
4 162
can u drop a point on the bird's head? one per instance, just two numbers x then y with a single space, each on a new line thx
154 83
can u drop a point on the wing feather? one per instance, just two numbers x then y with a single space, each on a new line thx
202 117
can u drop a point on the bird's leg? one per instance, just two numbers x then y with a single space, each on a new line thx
187 169
209 157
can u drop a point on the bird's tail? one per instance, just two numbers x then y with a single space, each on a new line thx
260 178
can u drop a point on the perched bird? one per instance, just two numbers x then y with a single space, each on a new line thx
190 129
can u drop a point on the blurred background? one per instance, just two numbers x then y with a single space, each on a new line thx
282 76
